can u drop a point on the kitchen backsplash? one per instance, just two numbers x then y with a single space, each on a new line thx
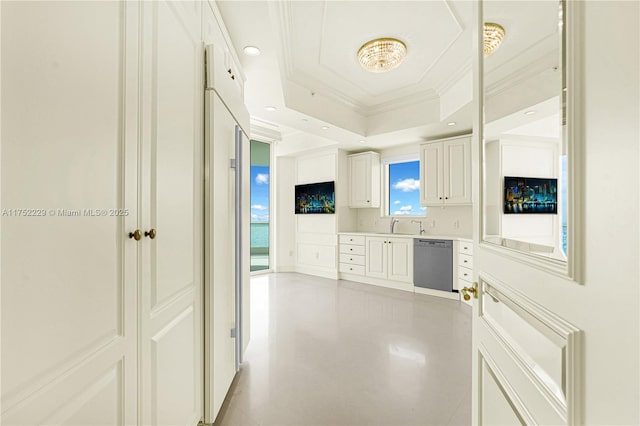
449 221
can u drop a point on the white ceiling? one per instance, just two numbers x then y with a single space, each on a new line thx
308 67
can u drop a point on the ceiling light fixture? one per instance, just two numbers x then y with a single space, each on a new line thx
382 54
493 36
529 112
251 51
325 127
270 108
451 123
361 141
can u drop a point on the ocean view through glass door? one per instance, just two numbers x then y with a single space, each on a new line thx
260 202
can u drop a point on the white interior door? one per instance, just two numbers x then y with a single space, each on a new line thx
554 342
220 299
172 203
69 172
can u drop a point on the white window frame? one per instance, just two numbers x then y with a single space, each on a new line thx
385 207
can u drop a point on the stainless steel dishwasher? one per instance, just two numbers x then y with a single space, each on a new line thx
433 264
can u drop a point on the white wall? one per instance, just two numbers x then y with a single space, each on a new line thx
442 219
316 241
285 232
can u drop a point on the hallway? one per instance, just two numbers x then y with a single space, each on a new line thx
327 352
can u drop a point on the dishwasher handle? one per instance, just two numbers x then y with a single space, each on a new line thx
433 243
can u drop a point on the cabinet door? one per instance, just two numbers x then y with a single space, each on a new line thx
376 257
360 181
220 255
69 274
400 259
431 176
170 302
457 171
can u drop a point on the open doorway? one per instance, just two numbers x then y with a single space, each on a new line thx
260 205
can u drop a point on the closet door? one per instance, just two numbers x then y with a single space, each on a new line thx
69 154
171 205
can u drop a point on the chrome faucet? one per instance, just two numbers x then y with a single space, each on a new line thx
393 223
419 222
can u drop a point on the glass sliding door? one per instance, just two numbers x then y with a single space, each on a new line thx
260 202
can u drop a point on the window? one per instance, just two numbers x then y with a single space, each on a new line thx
260 197
403 189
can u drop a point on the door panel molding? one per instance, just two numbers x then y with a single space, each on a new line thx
516 324
488 365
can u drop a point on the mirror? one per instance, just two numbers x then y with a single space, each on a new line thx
525 185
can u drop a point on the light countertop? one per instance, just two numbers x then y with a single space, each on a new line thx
400 235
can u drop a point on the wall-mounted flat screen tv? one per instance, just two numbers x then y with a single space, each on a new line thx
315 198
524 195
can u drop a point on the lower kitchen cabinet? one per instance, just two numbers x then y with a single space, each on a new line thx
465 267
389 258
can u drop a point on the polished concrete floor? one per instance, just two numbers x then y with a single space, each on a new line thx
327 352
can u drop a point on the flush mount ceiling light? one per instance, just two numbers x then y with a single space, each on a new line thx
270 108
493 36
251 51
451 123
325 127
382 54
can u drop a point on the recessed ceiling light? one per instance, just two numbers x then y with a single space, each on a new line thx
529 112
251 51
325 127
451 123
270 108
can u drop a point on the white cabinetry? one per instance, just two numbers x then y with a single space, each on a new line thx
112 302
226 118
445 177
352 254
464 267
364 180
389 258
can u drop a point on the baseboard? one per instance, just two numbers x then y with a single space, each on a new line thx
318 272
378 282
438 293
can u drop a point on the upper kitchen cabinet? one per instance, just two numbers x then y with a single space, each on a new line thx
364 180
445 177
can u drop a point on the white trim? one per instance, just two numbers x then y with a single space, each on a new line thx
574 54
385 207
405 158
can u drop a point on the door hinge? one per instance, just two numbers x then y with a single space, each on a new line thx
232 163
233 332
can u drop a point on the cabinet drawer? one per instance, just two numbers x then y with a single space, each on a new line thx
465 274
353 259
466 247
465 260
351 249
347 268
356 240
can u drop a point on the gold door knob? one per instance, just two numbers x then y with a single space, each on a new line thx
135 235
473 290
150 233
